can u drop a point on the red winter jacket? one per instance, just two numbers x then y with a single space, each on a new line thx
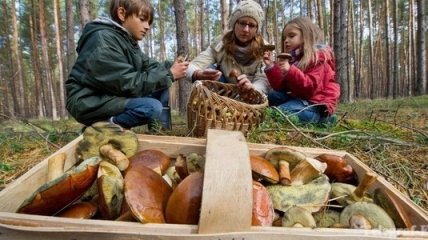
317 84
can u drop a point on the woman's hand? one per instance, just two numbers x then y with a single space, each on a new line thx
207 74
268 58
244 83
179 68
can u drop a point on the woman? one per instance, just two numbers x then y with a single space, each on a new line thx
240 48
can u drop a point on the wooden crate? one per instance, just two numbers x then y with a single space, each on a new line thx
23 226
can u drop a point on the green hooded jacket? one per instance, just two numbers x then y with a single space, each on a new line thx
110 69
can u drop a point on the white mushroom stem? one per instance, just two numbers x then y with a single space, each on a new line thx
362 187
306 171
56 166
359 222
284 172
116 156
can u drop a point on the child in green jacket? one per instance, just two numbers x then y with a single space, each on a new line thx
112 79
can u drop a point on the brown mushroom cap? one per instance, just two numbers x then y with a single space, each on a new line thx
338 170
146 194
284 56
184 204
375 215
153 159
263 212
57 194
263 169
81 210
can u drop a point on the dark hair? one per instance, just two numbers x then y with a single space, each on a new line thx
132 7
256 45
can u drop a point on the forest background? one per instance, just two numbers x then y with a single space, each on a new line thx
380 46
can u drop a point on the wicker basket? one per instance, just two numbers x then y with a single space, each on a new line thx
216 105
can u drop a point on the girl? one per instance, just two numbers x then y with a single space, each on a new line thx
305 84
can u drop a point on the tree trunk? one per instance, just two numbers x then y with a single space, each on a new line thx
396 59
340 46
201 24
224 8
182 49
85 13
390 83
421 72
71 52
59 57
35 57
45 60
20 108
162 49
370 42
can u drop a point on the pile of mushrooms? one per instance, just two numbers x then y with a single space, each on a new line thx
113 180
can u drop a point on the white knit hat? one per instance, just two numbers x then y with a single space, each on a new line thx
247 8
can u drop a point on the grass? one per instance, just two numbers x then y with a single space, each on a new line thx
390 136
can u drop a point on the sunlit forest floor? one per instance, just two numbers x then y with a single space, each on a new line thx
390 136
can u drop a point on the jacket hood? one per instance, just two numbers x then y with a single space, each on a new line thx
100 23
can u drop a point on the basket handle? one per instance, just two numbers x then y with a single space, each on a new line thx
227 189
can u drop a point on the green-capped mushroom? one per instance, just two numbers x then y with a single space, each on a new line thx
366 215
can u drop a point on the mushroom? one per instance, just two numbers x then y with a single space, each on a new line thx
346 194
263 212
115 143
268 47
389 203
110 190
153 159
327 218
181 166
173 176
284 56
80 210
298 217
56 166
306 171
279 155
338 170
234 74
184 204
262 169
366 215
59 193
312 196
195 162
146 194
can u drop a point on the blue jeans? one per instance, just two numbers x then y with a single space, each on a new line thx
140 111
310 114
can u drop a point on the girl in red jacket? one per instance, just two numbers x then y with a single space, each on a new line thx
305 83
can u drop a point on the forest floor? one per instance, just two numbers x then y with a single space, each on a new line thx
390 136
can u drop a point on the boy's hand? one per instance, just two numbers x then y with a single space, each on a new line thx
207 74
179 68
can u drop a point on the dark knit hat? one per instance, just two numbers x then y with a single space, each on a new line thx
247 8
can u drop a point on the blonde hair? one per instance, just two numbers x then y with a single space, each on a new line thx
313 38
132 7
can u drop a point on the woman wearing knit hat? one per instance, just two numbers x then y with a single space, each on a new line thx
240 48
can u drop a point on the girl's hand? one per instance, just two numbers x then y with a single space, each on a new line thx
284 65
268 58
244 83
179 68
